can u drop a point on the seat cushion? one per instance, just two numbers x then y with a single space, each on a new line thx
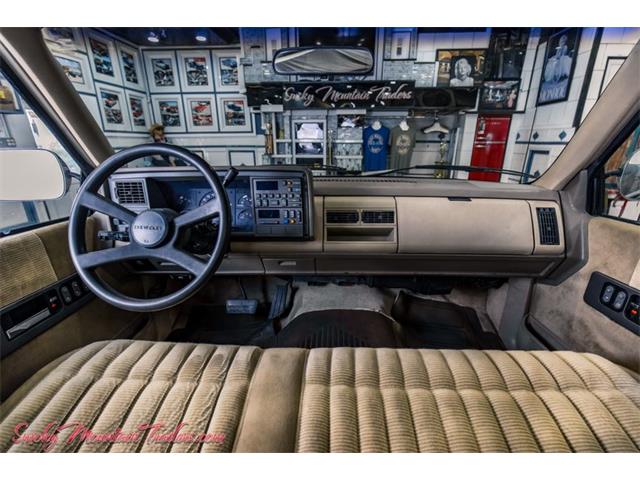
124 396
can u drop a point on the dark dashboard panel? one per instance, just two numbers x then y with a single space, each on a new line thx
265 203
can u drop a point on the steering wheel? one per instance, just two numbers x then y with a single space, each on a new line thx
153 233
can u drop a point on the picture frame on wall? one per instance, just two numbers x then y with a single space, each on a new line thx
234 113
273 42
558 67
196 72
113 109
162 74
9 101
228 70
200 113
64 38
499 96
76 68
131 71
138 111
103 58
168 111
461 67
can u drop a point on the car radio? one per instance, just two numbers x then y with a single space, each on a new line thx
279 207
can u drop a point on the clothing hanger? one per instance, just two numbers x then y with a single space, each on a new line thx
376 125
436 127
404 125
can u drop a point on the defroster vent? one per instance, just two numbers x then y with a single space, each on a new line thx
342 216
130 193
378 216
548 226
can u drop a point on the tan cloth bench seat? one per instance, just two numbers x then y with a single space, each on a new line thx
206 398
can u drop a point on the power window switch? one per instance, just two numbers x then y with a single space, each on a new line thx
607 294
620 300
66 295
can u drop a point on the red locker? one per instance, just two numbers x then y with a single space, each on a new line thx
489 146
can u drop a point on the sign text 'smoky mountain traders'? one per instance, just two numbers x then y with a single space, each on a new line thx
348 95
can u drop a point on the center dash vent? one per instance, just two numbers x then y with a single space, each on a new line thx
548 226
378 216
130 193
342 216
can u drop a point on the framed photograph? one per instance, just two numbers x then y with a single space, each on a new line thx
161 71
131 71
138 111
228 75
196 74
76 68
103 58
273 41
234 114
507 51
9 101
111 101
200 113
64 38
559 64
610 70
499 95
461 68
168 111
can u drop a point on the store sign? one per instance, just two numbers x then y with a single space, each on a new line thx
348 95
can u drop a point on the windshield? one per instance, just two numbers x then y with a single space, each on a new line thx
485 104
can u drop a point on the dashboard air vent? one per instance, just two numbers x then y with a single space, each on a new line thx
342 216
130 193
548 226
378 216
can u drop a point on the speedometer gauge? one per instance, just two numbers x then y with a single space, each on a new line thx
207 198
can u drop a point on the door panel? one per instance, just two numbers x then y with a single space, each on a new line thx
32 261
35 259
614 250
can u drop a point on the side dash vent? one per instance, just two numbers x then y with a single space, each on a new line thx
548 226
377 216
343 217
130 193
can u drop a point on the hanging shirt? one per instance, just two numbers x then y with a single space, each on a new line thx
375 148
402 143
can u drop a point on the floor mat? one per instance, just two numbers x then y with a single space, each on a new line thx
419 323
212 324
339 328
431 324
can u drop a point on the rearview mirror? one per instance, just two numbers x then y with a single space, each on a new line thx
323 61
630 178
28 175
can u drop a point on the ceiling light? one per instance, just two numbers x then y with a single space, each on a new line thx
201 38
153 38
